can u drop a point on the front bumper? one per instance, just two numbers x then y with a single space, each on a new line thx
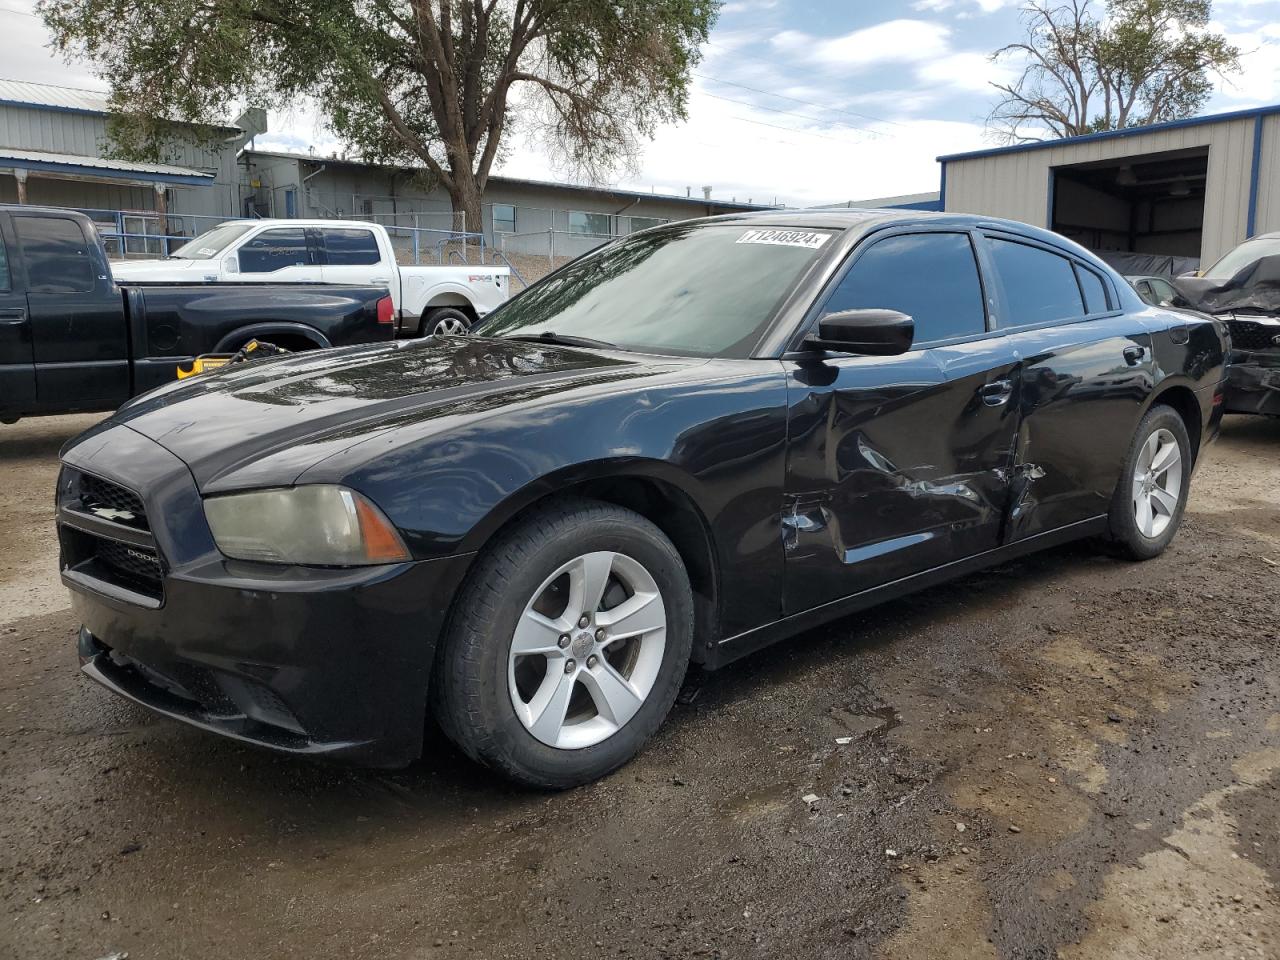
322 662
1253 383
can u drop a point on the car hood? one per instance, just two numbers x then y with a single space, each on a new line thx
267 421
126 271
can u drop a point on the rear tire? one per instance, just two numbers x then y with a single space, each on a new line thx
445 321
524 686
1151 495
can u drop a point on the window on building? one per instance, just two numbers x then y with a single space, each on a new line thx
274 250
932 277
504 218
1095 291
597 224
1039 286
56 254
350 248
644 223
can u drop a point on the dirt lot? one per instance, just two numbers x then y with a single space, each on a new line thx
1066 757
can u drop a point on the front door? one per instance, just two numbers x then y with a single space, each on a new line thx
17 368
278 255
79 342
899 464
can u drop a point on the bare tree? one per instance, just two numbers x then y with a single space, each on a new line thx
1141 62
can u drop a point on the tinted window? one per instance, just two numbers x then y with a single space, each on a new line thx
56 254
1039 286
1095 292
1164 292
5 282
351 248
933 277
274 250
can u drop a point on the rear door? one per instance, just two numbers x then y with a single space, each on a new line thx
278 255
17 368
1087 371
352 255
80 345
899 464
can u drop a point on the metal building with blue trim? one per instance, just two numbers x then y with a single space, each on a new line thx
1188 188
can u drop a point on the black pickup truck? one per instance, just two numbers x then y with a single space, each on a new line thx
72 339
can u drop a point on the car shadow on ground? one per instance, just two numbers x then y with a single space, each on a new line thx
234 788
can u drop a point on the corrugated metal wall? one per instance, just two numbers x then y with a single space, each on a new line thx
1268 210
1016 184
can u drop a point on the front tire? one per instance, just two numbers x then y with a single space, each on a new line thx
1150 498
567 645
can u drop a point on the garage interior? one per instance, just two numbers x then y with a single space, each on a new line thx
1150 203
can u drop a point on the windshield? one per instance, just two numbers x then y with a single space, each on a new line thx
211 243
1243 256
692 288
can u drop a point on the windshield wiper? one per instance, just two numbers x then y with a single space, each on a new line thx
563 339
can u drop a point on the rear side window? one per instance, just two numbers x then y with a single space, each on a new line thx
56 253
274 250
6 284
350 248
933 277
1095 291
1039 286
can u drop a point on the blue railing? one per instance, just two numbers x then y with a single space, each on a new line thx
137 233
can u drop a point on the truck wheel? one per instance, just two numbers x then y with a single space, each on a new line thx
445 321
566 646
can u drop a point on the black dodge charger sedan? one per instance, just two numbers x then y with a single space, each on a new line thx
688 444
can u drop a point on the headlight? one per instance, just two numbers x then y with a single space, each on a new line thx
316 525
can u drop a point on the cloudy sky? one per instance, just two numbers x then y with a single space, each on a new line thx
802 101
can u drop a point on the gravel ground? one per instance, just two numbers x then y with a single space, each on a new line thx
1068 756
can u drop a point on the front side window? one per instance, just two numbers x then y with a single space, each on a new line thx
1039 286
932 277
212 242
596 224
694 289
504 218
350 248
274 250
56 253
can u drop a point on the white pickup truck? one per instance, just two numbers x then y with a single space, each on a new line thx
428 299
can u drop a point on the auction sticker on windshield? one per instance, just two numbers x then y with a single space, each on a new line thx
786 238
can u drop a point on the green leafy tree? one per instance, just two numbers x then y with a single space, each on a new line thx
438 84
1142 62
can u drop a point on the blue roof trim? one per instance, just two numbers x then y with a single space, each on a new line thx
105 173
933 205
1254 171
54 108
1115 134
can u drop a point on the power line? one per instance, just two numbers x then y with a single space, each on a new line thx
21 13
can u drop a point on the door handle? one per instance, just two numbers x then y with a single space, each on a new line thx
1133 355
379 279
996 393
10 318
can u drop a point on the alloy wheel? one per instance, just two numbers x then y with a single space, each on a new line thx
1157 483
587 650
452 326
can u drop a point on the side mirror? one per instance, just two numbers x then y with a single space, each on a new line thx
875 332
232 263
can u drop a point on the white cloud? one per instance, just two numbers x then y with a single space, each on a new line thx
939 6
965 71
894 41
